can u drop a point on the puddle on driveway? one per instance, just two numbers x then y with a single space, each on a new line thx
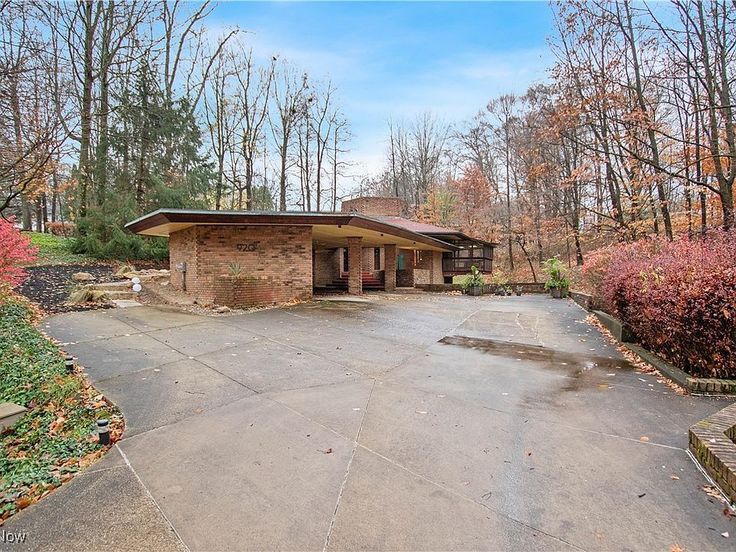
573 364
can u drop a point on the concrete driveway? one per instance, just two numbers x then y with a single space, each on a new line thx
409 422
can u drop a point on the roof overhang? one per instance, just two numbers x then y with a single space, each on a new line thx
452 237
328 229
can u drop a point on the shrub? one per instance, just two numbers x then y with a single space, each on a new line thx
474 279
100 235
556 277
680 299
16 249
499 278
65 229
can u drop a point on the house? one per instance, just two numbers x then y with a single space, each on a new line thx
251 258
467 252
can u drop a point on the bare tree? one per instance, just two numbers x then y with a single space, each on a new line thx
289 91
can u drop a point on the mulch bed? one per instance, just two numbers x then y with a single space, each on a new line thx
49 286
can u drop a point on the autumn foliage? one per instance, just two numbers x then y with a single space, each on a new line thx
65 229
679 298
15 249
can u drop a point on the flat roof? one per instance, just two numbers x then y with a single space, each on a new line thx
328 229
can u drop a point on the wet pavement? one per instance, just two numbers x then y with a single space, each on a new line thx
412 422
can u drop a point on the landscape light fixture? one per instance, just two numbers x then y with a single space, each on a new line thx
103 431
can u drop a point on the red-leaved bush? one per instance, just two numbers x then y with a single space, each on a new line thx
679 298
15 249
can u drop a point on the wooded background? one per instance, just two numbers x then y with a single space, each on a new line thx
111 109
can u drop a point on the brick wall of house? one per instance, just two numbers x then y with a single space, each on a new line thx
389 267
428 268
437 276
388 206
182 248
355 257
327 266
276 263
369 260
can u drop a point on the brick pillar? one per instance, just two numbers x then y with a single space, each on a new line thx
436 276
390 268
355 266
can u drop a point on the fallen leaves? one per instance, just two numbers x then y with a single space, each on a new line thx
633 358
711 491
56 437
57 425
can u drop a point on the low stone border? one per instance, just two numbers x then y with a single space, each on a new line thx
621 331
582 299
627 338
713 443
439 287
692 384
528 287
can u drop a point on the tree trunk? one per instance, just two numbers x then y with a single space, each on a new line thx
85 142
654 147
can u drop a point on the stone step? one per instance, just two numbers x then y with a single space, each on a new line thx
126 303
120 295
112 286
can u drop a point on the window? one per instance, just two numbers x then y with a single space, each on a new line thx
345 259
377 258
400 262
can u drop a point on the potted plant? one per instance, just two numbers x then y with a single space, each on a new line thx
557 282
474 282
519 290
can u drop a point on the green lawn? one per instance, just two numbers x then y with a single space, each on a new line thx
55 438
55 250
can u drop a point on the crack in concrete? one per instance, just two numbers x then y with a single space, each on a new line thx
355 440
347 469
467 499
152 499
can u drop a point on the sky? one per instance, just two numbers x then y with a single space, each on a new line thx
395 60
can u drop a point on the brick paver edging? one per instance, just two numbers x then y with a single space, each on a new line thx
712 444
624 335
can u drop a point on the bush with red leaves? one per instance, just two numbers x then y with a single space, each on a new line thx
15 249
679 298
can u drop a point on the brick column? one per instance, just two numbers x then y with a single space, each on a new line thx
390 268
436 276
355 266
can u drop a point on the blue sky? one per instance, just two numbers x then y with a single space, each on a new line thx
394 60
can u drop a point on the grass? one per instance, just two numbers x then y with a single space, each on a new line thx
56 437
56 250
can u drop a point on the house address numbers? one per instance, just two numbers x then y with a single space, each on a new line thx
251 246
